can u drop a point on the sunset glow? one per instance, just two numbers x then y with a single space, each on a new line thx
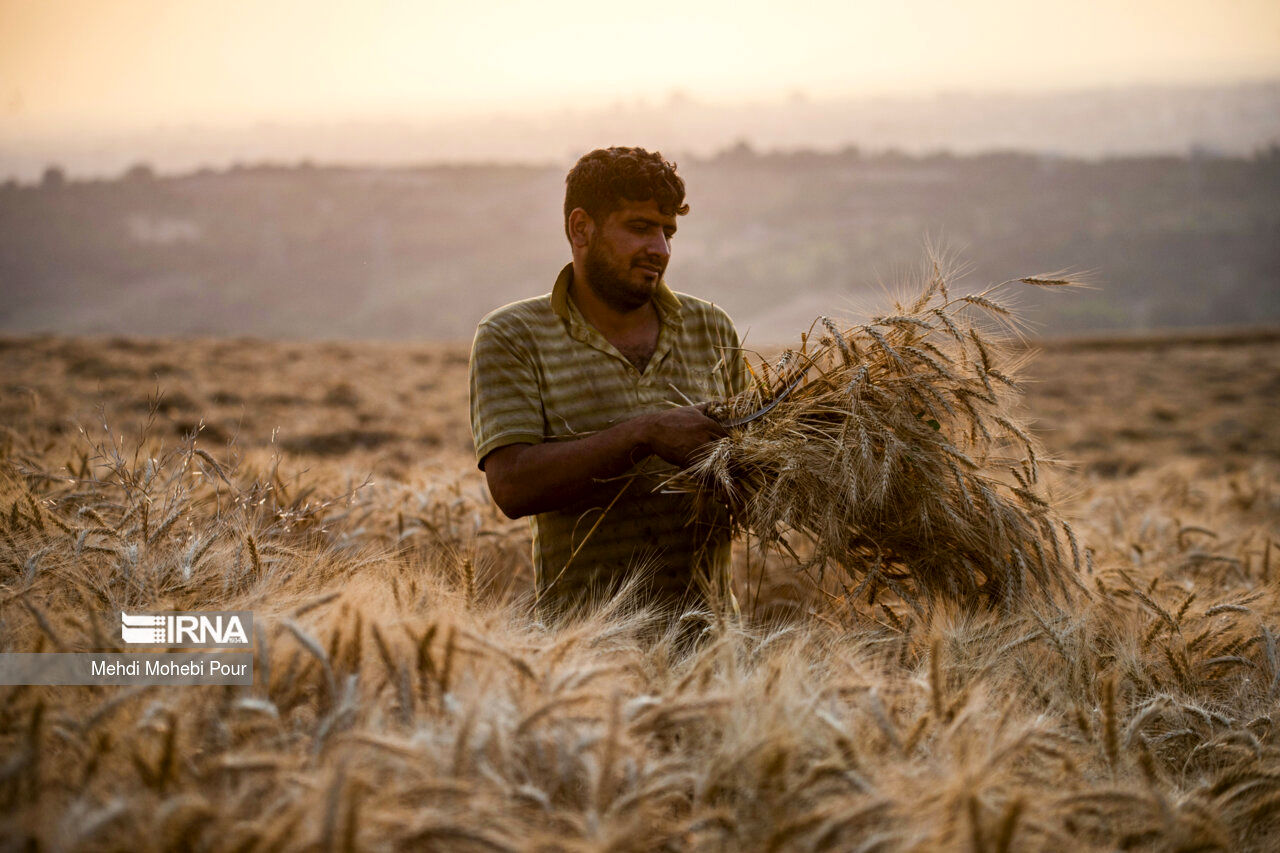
129 63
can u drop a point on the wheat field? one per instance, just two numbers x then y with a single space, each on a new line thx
405 698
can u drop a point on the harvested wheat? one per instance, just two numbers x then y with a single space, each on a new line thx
895 447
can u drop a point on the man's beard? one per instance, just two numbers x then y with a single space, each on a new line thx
610 284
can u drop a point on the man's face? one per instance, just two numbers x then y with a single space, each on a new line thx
628 253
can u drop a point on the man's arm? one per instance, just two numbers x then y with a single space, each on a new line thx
529 478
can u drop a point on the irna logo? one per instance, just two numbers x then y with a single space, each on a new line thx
187 630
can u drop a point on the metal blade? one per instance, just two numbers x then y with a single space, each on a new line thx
769 407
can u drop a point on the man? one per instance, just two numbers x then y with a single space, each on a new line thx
579 398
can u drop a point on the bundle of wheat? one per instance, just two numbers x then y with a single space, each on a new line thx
894 446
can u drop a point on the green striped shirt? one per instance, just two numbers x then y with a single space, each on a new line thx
541 372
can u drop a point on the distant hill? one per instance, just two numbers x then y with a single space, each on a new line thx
776 239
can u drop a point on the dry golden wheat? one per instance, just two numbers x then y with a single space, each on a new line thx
395 708
890 447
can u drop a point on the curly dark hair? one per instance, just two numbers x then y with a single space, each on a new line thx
601 180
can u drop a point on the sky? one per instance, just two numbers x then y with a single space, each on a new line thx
102 65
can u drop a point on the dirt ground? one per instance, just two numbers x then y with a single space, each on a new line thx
1109 408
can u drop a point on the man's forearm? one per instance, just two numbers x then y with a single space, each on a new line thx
532 478
529 478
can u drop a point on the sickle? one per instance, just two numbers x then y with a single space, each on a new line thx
769 407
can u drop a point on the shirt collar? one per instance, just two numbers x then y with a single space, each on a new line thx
668 304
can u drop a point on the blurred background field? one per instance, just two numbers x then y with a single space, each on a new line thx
1107 406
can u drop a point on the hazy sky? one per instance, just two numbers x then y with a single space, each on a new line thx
102 64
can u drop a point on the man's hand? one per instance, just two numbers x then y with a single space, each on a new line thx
530 478
676 435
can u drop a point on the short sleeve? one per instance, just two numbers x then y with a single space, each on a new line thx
506 403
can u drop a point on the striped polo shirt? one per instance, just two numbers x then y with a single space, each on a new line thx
541 372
